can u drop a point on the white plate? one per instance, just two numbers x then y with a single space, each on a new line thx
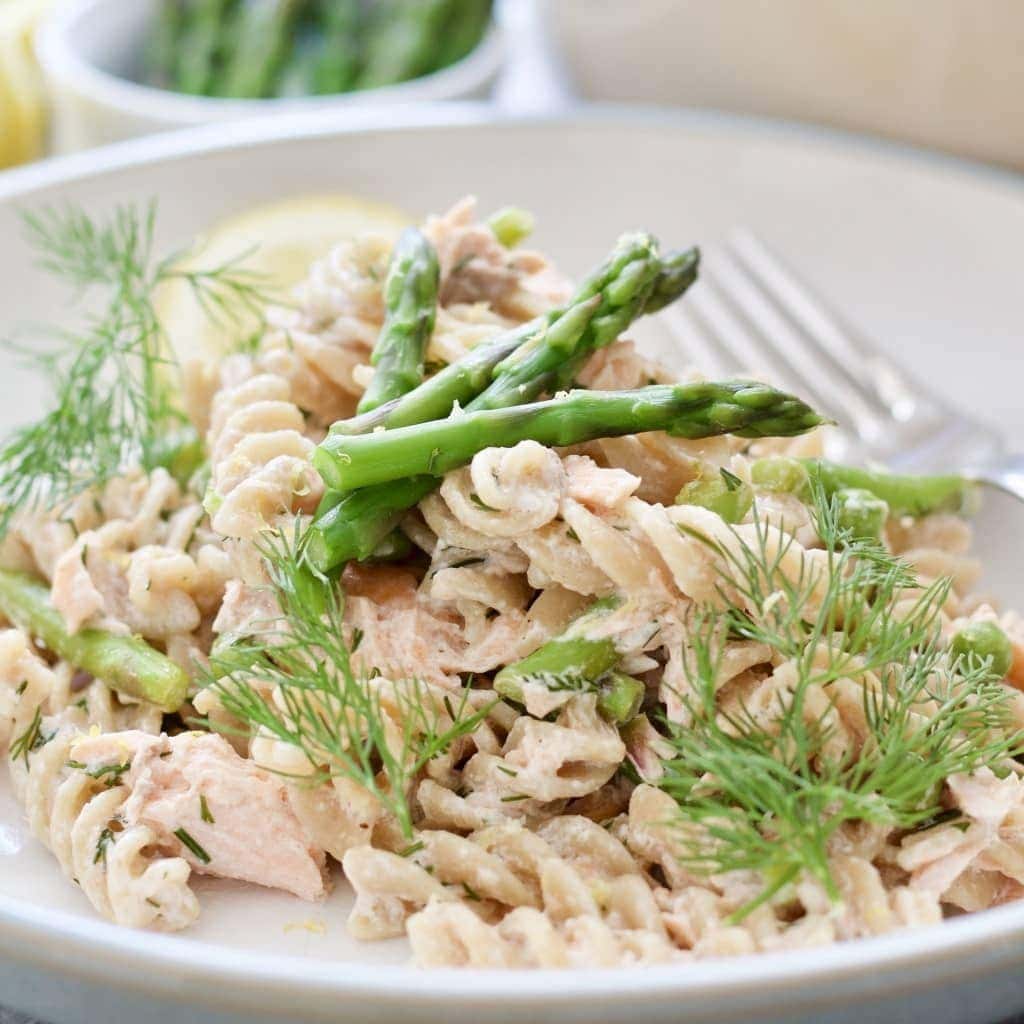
921 251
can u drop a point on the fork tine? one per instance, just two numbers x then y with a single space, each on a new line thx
698 338
882 387
783 347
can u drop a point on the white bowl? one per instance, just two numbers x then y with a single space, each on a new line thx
921 253
90 54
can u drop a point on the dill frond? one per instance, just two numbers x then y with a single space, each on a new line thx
110 377
294 682
766 790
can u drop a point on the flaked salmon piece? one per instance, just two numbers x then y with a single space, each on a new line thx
223 814
383 584
476 267
598 488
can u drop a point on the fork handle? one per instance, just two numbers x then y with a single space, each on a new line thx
1006 473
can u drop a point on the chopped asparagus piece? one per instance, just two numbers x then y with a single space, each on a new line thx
511 225
980 642
861 512
720 491
567 659
904 494
162 47
126 663
780 473
575 661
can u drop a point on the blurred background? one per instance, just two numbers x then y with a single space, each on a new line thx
946 74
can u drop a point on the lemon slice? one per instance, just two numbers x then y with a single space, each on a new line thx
278 241
22 103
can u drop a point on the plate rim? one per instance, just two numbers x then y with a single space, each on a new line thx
99 952
389 119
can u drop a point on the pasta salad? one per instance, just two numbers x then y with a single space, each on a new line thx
436 587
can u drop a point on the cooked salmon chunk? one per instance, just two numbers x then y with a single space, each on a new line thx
221 812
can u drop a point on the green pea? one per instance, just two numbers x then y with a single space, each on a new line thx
780 473
980 642
720 491
860 512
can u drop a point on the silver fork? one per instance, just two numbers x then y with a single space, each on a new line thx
750 313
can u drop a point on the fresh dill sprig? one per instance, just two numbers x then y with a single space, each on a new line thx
294 682
204 810
30 740
112 393
765 789
187 840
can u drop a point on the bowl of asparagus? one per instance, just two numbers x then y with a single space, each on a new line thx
117 70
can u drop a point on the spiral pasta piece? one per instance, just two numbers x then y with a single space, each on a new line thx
79 818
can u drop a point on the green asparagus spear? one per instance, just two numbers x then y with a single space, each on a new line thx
623 283
357 523
199 45
905 495
298 70
458 383
401 40
391 547
464 380
433 399
465 28
338 65
263 40
618 696
410 302
162 47
126 663
677 272
705 409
